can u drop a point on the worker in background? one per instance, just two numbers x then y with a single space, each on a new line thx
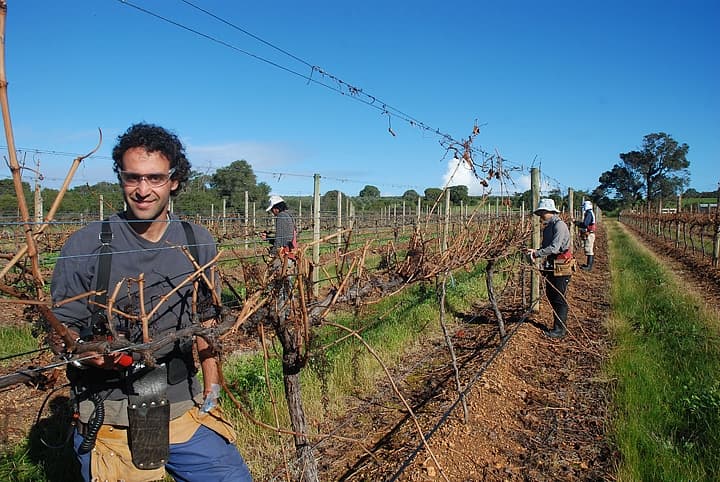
284 240
587 233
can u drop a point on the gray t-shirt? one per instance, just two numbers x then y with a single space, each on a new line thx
164 266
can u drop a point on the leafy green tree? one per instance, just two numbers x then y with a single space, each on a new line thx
8 204
232 181
367 204
86 199
199 202
370 191
410 195
661 165
8 197
328 201
458 194
432 194
112 195
605 202
7 186
199 197
199 181
526 198
618 187
578 197
712 194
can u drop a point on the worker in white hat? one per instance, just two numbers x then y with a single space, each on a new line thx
284 241
587 233
557 263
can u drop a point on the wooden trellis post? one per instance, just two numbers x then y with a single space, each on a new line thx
339 220
535 278
316 233
571 207
446 224
246 233
716 241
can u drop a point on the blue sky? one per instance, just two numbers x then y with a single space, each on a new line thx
565 86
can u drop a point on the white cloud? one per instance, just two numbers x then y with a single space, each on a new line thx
522 183
459 174
463 176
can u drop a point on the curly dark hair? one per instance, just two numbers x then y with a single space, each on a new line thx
154 138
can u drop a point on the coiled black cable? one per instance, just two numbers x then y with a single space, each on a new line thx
93 425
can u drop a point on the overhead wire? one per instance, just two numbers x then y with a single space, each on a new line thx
341 87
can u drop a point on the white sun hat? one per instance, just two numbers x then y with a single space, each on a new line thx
546 204
274 199
586 205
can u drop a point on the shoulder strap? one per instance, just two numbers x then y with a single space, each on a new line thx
191 241
102 278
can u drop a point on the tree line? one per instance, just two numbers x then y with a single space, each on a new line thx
227 187
655 172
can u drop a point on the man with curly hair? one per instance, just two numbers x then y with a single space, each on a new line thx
136 417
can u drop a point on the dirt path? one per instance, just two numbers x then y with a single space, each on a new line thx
539 413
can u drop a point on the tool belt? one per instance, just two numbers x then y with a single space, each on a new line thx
564 265
148 408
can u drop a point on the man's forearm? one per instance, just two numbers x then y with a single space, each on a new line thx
208 362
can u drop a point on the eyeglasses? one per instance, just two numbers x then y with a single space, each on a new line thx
155 179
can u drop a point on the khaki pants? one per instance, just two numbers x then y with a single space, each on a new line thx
589 244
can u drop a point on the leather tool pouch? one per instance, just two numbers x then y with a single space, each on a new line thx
149 420
564 267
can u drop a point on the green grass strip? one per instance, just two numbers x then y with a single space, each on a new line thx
667 366
14 340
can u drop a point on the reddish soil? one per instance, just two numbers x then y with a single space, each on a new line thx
536 408
539 412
